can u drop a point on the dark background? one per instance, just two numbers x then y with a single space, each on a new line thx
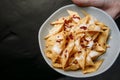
20 56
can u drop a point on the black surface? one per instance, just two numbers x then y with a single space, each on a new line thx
20 55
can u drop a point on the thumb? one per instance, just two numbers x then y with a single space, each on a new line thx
96 3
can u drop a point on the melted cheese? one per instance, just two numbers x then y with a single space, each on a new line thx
88 38
90 44
97 28
76 20
56 49
91 21
81 25
93 53
80 57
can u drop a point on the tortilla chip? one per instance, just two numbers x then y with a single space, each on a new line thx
93 68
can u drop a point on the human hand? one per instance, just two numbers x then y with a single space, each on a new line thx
112 7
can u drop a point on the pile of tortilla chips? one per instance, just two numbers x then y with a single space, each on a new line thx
75 43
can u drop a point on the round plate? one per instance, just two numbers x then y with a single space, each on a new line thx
111 54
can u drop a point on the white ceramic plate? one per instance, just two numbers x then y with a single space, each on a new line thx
109 57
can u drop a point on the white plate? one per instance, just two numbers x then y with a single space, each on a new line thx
109 57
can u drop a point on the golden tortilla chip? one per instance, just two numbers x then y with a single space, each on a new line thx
93 68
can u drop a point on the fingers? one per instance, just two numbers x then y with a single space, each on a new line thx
81 2
96 3
114 13
109 6
112 8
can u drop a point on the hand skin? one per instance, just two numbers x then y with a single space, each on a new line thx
112 7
